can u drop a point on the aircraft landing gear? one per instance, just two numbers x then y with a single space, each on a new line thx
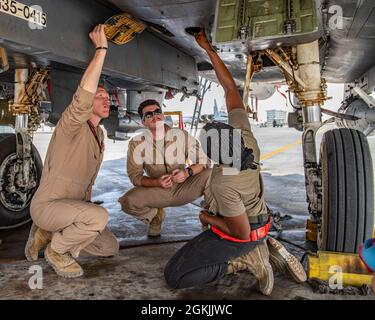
340 187
20 163
347 217
18 182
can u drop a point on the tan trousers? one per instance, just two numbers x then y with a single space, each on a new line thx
77 226
143 202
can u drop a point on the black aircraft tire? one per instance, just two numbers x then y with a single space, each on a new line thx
348 191
10 218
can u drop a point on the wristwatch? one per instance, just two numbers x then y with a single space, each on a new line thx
190 171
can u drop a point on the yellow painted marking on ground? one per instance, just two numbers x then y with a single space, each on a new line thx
271 154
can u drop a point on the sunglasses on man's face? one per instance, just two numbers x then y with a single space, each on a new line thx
149 114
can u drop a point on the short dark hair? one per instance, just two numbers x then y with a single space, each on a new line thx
145 104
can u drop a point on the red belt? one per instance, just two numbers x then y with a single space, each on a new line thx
255 234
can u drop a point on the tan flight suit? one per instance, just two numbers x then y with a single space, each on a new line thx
142 202
235 192
71 166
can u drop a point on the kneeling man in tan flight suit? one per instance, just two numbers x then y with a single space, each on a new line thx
168 182
64 218
237 220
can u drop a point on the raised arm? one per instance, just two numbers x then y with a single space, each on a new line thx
80 109
232 96
91 76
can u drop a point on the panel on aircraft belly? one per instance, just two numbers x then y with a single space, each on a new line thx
146 59
252 20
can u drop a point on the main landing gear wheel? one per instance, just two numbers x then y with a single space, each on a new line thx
347 218
15 198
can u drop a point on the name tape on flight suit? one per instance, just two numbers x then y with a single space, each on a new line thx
22 11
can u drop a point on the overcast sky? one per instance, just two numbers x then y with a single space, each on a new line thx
336 91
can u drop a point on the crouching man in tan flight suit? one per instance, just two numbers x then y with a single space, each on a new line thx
168 181
64 218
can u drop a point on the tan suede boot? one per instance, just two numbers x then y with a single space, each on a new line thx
284 262
256 262
38 239
154 229
63 264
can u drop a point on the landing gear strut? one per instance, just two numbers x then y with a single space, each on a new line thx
339 188
20 163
